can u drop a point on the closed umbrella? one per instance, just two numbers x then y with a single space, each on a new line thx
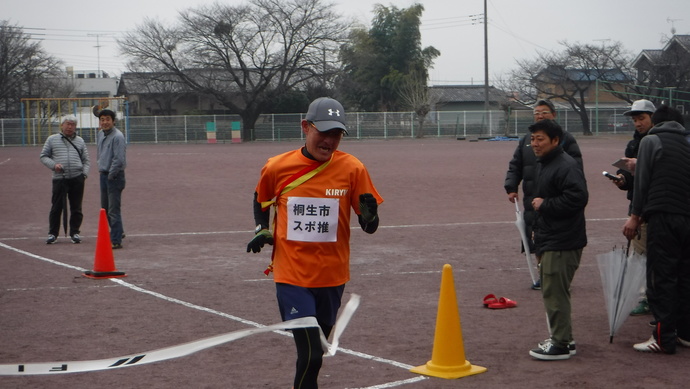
622 277
64 204
520 223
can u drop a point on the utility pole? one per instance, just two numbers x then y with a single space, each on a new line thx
98 51
486 63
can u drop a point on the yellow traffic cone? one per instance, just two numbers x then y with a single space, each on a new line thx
448 356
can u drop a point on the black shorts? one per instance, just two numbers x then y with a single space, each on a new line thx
296 301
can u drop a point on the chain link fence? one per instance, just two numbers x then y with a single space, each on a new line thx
280 127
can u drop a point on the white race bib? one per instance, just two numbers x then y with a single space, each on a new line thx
312 219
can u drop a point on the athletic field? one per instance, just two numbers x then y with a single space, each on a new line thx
188 217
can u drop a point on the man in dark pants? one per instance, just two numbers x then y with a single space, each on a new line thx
660 198
66 155
112 162
641 114
523 168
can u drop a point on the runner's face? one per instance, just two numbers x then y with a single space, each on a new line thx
321 145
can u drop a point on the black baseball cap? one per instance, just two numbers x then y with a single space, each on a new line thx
326 114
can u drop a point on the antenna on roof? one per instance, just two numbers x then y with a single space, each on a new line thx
673 27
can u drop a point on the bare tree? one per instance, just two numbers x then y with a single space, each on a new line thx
414 94
572 76
244 56
26 69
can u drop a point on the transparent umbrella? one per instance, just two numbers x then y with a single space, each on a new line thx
520 223
622 278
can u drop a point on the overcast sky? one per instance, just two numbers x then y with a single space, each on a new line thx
71 29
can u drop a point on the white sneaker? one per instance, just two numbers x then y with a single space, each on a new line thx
650 346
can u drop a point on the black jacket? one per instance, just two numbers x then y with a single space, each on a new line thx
523 167
560 221
631 151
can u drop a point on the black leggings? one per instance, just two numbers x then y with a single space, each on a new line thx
309 356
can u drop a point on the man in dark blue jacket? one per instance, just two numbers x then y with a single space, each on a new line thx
560 234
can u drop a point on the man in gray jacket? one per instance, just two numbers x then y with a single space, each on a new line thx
66 155
112 162
660 198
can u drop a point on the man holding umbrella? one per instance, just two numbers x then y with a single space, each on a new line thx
522 168
560 198
660 199
66 155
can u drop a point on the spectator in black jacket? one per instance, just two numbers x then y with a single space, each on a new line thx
660 198
523 166
560 235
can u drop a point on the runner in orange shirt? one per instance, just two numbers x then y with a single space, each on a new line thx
313 189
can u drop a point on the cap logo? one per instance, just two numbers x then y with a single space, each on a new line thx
331 112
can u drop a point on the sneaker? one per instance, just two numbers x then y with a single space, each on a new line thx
117 246
76 238
641 309
650 346
572 347
537 285
652 323
550 352
683 342
51 239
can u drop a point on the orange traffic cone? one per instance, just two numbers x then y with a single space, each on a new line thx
104 263
448 356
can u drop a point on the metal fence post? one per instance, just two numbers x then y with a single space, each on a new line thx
185 128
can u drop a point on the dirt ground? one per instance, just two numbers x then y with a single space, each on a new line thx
187 215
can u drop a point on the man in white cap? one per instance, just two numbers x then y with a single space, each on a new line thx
641 114
313 189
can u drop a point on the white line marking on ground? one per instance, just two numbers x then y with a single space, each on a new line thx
397 383
218 313
173 234
3 162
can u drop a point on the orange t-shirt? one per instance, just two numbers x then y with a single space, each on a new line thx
312 239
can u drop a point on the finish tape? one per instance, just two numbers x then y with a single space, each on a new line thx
182 349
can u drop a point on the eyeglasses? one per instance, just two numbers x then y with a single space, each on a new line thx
336 132
536 113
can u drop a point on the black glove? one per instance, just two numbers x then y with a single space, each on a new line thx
368 207
259 240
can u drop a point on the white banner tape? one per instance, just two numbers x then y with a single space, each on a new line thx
180 350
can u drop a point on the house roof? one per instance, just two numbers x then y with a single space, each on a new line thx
652 56
683 40
585 75
144 83
656 56
465 93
